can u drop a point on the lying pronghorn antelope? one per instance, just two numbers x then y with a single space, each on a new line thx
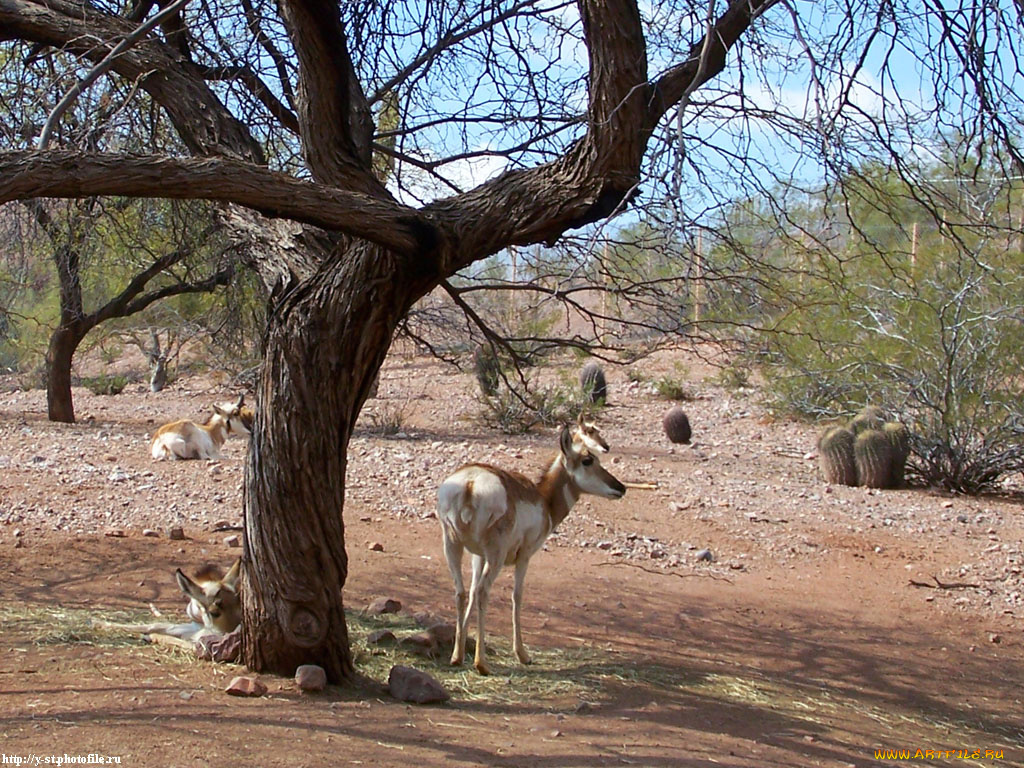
586 432
214 607
187 440
503 518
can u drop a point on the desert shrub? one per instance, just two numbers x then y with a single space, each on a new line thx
105 385
734 377
389 418
517 413
944 350
487 368
672 388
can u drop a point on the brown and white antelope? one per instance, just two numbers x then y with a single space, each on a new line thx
214 606
185 439
503 518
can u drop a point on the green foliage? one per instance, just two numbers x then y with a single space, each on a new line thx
935 333
733 377
517 413
487 368
105 385
672 388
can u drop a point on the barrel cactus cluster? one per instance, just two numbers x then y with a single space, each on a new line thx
869 451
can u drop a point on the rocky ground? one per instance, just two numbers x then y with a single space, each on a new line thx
896 617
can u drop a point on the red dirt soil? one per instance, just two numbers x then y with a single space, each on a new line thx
803 643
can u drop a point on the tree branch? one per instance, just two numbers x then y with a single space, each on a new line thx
28 174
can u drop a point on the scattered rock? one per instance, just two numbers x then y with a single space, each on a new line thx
176 534
114 533
384 605
995 638
412 685
381 637
376 547
310 677
153 534
233 541
245 686
422 644
704 555
220 648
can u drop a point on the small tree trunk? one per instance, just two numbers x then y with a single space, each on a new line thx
59 354
325 342
158 380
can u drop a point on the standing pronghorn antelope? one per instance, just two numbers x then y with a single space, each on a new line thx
214 606
187 440
503 518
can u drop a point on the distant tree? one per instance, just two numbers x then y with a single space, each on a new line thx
70 232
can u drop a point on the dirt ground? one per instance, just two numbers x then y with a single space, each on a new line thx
802 643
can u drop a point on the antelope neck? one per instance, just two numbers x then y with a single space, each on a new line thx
559 490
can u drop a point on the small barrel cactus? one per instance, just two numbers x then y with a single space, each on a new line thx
871 417
835 456
676 425
899 439
592 380
873 455
487 369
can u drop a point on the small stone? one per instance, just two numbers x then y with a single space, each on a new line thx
412 685
961 518
114 533
220 648
18 543
705 555
376 547
233 541
150 533
186 695
384 605
310 677
245 686
422 644
995 638
381 637
176 534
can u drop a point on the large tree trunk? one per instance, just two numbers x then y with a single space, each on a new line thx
59 354
327 338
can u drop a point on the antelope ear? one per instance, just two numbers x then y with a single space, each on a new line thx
241 400
565 440
231 578
579 419
221 411
188 586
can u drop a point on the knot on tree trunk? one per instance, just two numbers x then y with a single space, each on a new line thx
306 627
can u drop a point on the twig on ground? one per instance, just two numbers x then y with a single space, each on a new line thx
672 573
940 585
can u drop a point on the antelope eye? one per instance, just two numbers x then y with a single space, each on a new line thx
587 461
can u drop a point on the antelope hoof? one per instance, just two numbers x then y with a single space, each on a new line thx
524 657
456 660
482 668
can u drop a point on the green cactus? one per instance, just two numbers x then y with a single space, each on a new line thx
870 417
595 387
899 439
835 454
676 425
873 455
